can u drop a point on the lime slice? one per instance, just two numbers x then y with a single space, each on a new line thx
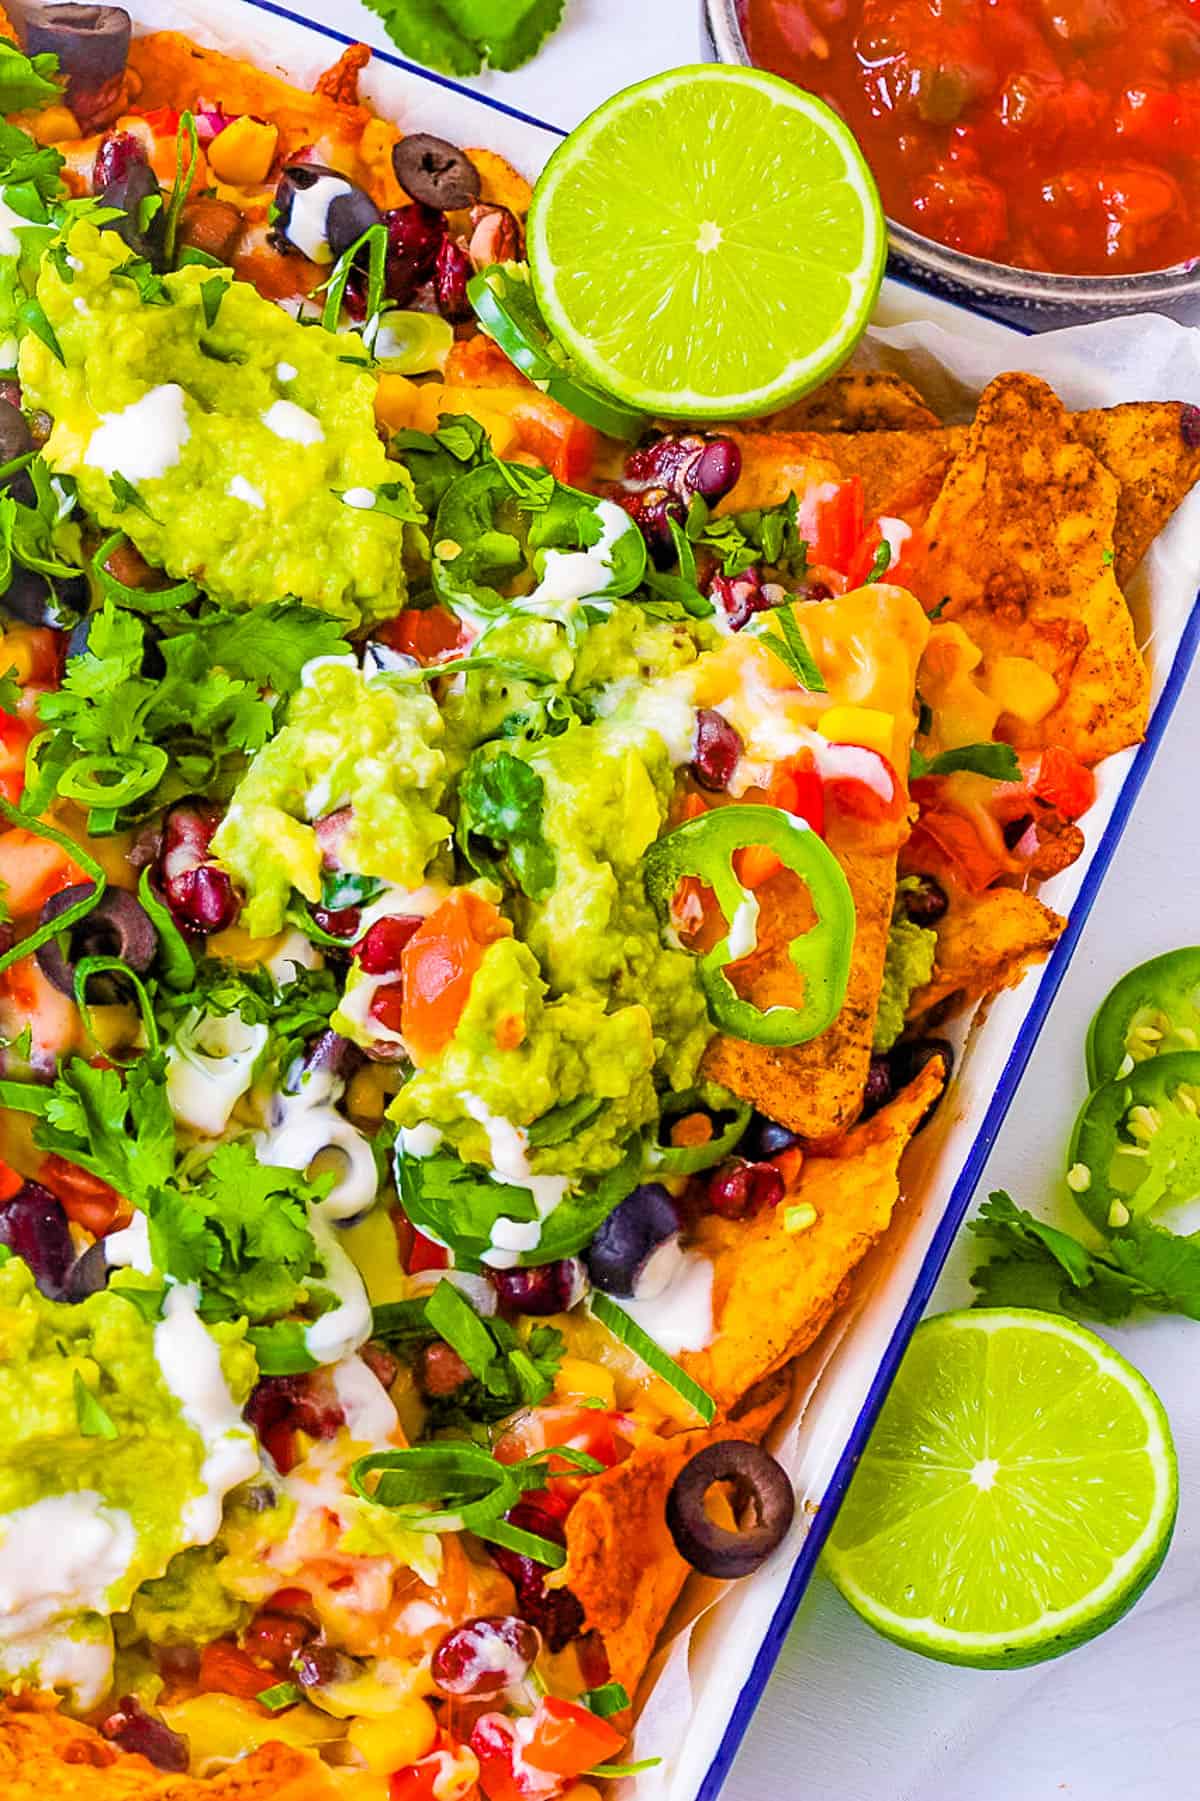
1016 1497
707 244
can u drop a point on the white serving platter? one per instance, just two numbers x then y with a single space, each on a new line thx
712 1673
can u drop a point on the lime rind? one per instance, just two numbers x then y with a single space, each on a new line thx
643 300
915 1516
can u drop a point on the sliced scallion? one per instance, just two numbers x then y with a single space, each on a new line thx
627 1330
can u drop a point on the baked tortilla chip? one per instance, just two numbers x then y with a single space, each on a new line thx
44 1756
1153 450
986 942
869 643
622 1565
775 1290
857 400
1021 555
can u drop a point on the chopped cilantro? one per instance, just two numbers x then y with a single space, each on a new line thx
789 646
92 1419
500 821
26 81
459 36
999 761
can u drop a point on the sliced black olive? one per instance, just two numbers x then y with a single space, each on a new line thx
88 1274
329 1051
35 599
142 225
760 1486
90 42
16 439
765 1138
321 213
34 1227
434 172
909 1058
644 1227
118 926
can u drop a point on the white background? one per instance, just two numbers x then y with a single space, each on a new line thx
848 1716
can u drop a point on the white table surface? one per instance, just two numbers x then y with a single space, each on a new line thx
847 1715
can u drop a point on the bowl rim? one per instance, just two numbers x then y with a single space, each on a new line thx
954 268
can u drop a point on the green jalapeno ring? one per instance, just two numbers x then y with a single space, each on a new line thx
689 1159
704 848
1166 991
1136 1143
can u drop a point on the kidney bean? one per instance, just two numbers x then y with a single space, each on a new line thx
738 1190
716 750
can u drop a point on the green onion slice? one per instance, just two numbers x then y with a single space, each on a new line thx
85 969
72 916
283 1694
610 1698
525 1544
175 960
626 1329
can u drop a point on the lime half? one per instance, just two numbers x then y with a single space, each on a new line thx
708 243
1016 1497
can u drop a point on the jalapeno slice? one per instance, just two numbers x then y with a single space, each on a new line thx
704 847
1136 1144
1153 1011
507 312
729 1117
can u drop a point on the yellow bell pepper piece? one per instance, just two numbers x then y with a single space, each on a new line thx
398 403
1020 687
578 1379
869 726
397 1739
242 154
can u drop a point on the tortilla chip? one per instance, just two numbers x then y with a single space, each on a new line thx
622 1564
776 464
44 1756
870 644
986 942
774 1290
500 183
857 400
1143 445
1021 555
177 72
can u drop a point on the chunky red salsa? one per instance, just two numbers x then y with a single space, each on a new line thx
1054 134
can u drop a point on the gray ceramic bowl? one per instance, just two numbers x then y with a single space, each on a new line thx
1022 297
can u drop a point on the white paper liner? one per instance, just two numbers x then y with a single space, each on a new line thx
950 355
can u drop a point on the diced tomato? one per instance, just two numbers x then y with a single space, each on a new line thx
568 1739
430 634
862 799
162 120
86 1200
32 869
438 967
227 1670
425 1254
1062 781
10 1181
563 443
830 520
15 735
417 1781
907 546
754 864
955 837
798 789
387 1006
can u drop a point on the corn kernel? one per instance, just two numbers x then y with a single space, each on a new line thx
375 145
55 125
488 406
397 401
395 1739
578 1379
868 726
1020 687
365 1099
17 655
243 152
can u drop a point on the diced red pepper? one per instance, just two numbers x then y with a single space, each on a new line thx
569 1739
86 1199
439 964
425 1254
430 634
1062 781
830 520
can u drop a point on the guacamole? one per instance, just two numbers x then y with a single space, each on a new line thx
236 428
369 743
121 1438
908 966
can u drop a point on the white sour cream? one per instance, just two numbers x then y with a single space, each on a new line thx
240 489
743 929
285 372
289 421
572 575
370 1416
210 1066
680 1316
59 1557
295 953
305 1124
363 499
309 214
347 1325
190 1362
130 1248
145 439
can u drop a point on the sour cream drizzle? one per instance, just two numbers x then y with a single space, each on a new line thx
190 1361
145 439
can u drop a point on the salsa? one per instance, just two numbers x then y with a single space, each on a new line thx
1061 135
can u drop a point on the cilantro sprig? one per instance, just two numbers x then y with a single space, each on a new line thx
507 1371
459 36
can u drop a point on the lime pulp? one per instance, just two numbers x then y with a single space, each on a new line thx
1017 1495
708 243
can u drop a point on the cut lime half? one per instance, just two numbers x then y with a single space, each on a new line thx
1017 1495
707 244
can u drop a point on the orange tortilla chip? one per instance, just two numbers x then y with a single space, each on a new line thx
986 942
622 1565
1142 444
1021 554
44 1756
500 183
857 400
774 1290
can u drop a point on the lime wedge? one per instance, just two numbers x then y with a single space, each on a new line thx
707 244
1017 1495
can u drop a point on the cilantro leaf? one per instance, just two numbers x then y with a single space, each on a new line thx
500 821
10 691
116 1124
90 1415
25 81
1037 1265
789 646
458 36
999 761
293 1013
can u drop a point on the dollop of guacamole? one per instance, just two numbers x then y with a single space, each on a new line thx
96 1446
522 1054
237 428
908 966
369 743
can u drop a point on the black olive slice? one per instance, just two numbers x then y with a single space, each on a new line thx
90 42
760 1486
434 172
117 926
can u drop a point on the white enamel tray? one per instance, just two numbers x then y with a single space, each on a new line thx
710 1679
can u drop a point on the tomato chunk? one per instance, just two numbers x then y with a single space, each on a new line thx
430 634
568 1739
438 966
